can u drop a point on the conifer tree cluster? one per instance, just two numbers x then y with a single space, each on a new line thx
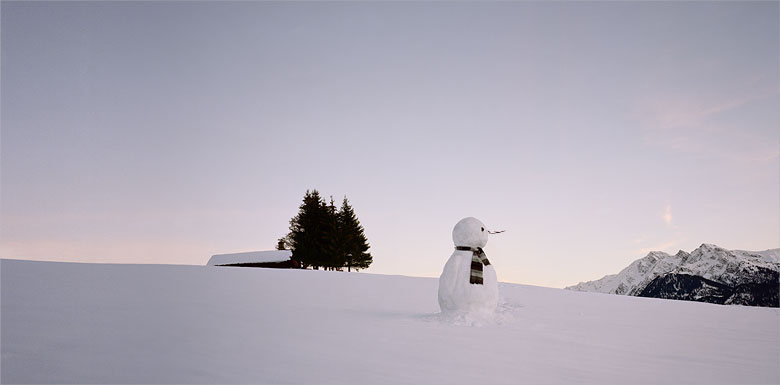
323 236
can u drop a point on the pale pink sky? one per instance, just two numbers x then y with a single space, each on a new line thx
143 132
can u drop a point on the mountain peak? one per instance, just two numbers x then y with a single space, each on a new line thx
710 246
656 255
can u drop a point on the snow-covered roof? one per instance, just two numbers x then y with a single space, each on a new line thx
250 257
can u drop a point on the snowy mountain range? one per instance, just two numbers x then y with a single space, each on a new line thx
707 274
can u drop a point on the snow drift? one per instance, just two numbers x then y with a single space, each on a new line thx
96 323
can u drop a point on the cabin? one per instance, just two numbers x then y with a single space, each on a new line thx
274 259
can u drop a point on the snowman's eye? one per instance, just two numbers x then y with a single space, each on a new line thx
483 229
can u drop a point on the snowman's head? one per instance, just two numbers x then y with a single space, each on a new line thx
470 232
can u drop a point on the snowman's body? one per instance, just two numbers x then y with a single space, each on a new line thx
456 293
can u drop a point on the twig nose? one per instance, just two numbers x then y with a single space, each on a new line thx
496 232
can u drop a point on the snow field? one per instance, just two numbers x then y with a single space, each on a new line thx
96 323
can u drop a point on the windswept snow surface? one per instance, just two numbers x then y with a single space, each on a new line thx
108 323
250 257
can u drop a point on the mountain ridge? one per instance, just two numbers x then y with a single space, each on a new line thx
672 276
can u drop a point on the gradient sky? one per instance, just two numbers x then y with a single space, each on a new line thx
138 132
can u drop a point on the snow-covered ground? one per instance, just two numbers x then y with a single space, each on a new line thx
108 323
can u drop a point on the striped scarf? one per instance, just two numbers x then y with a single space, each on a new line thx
477 260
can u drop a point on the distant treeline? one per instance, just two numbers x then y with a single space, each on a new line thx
323 236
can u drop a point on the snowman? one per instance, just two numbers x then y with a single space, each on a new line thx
468 282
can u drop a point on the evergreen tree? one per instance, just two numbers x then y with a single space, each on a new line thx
355 243
306 229
332 238
281 243
321 235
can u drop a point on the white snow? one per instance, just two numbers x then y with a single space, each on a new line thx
768 256
109 323
250 257
456 294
